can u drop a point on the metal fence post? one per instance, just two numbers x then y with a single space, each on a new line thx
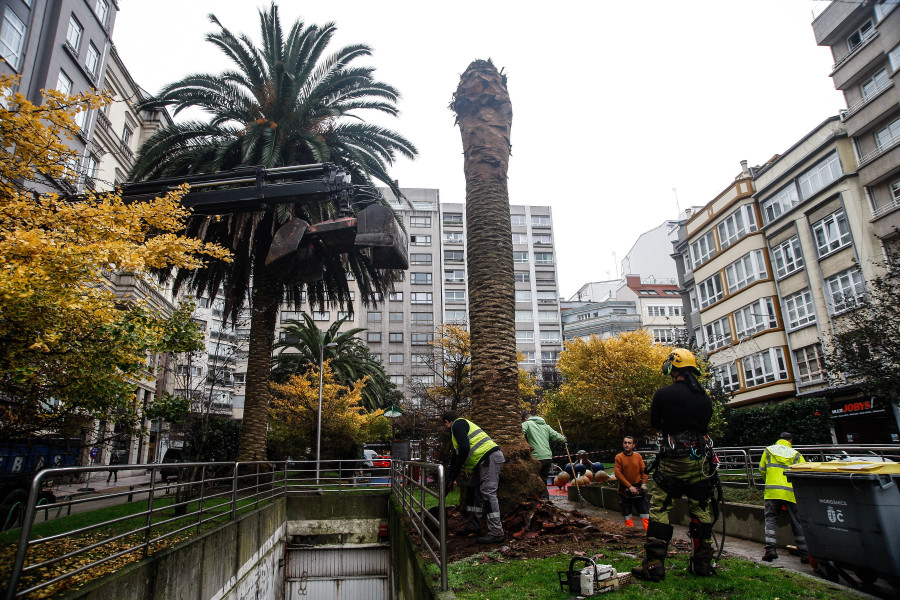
442 530
22 550
149 512
200 500
234 487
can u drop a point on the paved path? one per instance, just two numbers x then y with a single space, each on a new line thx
740 548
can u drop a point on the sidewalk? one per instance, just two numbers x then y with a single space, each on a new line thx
736 547
138 478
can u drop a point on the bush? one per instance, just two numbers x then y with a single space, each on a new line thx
808 420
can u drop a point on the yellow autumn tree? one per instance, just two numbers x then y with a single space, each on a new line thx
607 387
69 348
346 425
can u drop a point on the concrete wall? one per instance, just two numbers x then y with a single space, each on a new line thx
745 521
238 560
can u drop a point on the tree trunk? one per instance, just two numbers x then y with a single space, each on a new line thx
267 294
484 115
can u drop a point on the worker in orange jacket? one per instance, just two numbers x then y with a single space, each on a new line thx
632 477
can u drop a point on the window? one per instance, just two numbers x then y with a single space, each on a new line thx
456 316
550 337
520 257
92 61
664 335
240 378
373 336
63 83
421 339
523 276
648 292
540 221
419 240
887 137
517 220
455 296
524 316
420 279
727 376
420 221
395 359
687 261
541 239
744 271
821 175
73 34
12 34
453 256
874 84
127 132
548 316
453 237
718 334
831 233
524 336
419 359
883 7
344 314
395 337
454 276
737 225
855 39
894 58
519 238
799 309
189 370
710 290
376 356
395 296
656 311
90 166
419 259
396 317
703 249
523 295
788 257
453 219
422 318
546 297
810 364
396 379
764 367
527 357
421 297
101 9
543 258
783 201
426 380
549 357
845 290
373 316
755 317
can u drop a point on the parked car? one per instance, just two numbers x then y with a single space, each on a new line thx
172 456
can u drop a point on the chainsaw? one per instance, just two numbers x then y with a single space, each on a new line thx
591 579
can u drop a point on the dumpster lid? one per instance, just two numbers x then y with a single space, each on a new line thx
880 468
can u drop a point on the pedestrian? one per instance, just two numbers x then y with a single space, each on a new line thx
632 477
682 412
113 473
583 464
779 494
475 451
538 434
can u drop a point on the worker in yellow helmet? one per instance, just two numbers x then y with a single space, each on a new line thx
779 494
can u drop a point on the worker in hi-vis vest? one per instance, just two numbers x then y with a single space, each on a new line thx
475 451
779 495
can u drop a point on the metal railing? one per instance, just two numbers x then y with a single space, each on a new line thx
132 523
414 486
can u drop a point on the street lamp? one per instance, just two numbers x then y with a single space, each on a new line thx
319 426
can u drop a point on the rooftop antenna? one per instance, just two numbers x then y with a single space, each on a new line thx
677 205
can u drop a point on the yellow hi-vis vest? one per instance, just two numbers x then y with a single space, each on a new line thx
775 460
479 445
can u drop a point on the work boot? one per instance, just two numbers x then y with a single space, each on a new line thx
650 570
770 555
804 557
701 562
490 539
467 531
654 566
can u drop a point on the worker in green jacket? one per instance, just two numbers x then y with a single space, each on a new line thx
539 434
779 495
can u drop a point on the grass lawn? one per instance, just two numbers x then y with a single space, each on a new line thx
492 576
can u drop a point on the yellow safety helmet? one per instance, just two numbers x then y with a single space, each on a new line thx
680 358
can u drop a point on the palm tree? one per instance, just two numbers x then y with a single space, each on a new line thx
285 103
484 115
349 358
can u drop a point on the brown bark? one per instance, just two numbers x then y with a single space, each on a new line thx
484 115
266 296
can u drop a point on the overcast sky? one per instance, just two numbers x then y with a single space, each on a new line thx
614 103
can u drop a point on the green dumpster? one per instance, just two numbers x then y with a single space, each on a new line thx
850 513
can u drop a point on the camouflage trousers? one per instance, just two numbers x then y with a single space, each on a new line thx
677 477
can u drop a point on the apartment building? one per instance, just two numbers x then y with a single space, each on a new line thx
817 223
605 319
62 45
729 283
864 38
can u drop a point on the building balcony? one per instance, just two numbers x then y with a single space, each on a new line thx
886 220
861 57
880 163
103 122
828 24
870 109
127 153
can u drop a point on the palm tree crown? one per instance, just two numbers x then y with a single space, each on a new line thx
286 102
